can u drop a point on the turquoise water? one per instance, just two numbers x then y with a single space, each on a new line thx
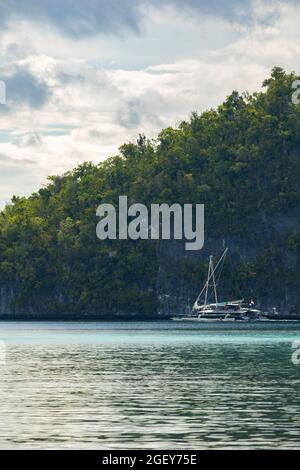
162 385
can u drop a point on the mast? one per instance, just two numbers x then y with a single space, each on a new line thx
207 281
214 281
211 275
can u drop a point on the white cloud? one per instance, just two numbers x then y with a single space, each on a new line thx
104 90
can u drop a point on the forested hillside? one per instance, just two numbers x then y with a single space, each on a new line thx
242 160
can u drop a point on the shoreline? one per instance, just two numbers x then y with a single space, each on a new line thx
125 318
79 318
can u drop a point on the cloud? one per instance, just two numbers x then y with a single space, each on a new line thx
30 140
82 18
17 51
145 109
77 95
76 19
17 177
13 161
234 9
22 87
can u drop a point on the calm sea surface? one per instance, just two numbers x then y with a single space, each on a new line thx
163 385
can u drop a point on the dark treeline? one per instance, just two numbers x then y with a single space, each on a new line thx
242 160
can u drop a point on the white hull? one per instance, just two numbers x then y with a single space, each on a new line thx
220 320
229 311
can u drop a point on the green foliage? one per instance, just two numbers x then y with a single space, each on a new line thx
241 160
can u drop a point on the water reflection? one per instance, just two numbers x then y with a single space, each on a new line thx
164 393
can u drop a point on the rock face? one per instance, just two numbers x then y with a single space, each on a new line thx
6 300
261 265
251 258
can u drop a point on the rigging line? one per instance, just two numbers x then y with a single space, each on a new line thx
206 285
220 270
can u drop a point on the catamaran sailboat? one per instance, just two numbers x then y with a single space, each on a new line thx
235 310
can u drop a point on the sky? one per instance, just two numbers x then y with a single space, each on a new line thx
83 77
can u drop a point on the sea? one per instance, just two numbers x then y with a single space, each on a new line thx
149 385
